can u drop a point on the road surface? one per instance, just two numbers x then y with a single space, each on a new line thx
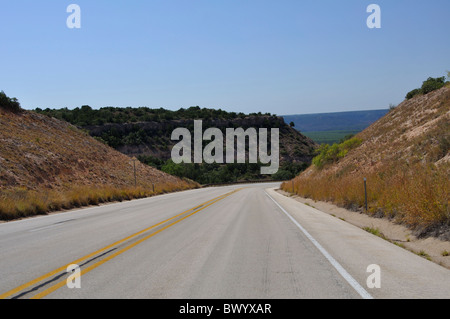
241 241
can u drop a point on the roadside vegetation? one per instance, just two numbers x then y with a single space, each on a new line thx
416 195
21 202
331 154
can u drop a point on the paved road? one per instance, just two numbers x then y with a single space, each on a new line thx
243 241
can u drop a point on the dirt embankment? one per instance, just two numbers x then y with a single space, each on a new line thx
48 165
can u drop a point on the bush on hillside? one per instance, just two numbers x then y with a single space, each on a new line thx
331 154
430 85
9 104
413 93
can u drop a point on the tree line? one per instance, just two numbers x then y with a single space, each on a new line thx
87 116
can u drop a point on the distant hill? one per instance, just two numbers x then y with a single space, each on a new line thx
47 164
331 128
405 158
146 133
339 121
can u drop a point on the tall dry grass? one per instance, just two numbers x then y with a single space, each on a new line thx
19 202
413 194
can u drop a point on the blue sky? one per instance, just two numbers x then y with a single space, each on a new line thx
282 57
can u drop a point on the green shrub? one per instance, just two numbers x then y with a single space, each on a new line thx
413 93
9 104
432 84
330 154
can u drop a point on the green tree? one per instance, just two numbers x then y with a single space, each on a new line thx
174 169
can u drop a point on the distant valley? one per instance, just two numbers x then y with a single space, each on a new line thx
331 128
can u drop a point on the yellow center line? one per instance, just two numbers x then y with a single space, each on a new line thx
101 262
63 268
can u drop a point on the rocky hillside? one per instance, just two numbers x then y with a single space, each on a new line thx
405 158
146 134
153 138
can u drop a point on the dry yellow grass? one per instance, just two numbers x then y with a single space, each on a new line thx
405 158
417 195
20 202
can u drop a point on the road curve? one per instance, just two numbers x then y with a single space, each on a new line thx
240 241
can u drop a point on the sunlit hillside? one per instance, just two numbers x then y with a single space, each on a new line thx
47 164
405 158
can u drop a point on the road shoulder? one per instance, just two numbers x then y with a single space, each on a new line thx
429 248
403 273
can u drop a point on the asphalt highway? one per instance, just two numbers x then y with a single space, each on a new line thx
241 241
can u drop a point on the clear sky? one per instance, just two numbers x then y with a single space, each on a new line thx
277 56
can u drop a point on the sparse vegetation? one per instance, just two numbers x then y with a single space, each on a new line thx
399 245
374 231
423 254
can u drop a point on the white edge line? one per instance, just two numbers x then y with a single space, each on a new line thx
352 282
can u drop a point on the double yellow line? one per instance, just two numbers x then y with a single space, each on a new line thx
178 218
